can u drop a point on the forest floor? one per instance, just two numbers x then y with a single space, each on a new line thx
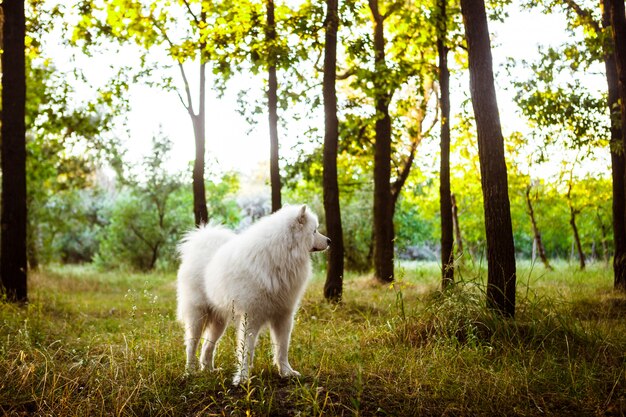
94 343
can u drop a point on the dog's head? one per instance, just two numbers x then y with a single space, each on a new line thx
308 224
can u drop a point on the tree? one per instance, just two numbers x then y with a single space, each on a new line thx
272 104
334 274
143 222
597 46
618 22
445 194
498 229
201 41
58 123
149 214
618 157
458 238
574 211
383 215
537 242
13 262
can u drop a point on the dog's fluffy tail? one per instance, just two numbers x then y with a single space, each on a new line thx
203 241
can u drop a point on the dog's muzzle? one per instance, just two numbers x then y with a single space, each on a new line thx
316 249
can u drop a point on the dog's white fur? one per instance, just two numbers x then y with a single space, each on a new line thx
254 278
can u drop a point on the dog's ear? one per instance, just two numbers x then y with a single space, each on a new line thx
302 214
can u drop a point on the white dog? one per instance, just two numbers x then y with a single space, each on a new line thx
255 278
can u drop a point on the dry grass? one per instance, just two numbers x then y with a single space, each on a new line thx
94 343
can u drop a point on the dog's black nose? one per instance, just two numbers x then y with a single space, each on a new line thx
328 241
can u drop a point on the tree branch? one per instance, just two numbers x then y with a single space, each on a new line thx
585 15
373 4
189 105
141 237
403 173
347 74
392 9
195 18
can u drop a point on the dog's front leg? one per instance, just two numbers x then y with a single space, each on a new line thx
247 333
280 330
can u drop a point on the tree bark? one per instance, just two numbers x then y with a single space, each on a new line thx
201 214
13 260
573 212
272 104
456 226
536 233
383 217
333 287
605 237
501 275
445 198
618 22
579 248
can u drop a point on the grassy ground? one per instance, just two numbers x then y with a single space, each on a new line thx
93 343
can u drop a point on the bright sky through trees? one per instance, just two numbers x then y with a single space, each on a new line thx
232 144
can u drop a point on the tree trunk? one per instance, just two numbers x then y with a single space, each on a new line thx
201 214
618 22
605 236
572 221
272 104
383 217
536 233
333 287
501 274
445 200
456 226
13 265
155 256
579 248
32 247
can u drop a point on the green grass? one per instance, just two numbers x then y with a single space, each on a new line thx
93 343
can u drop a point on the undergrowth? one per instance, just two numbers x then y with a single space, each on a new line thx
93 343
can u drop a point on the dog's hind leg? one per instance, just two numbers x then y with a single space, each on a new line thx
214 331
280 330
247 333
194 324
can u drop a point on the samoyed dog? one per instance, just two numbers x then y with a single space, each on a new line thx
255 278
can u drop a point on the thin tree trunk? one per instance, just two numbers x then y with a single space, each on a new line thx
445 198
579 248
272 104
333 287
32 247
383 218
604 232
155 256
501 275
618 22
456 226
13 265
594 251
201 214
536 233
572 221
